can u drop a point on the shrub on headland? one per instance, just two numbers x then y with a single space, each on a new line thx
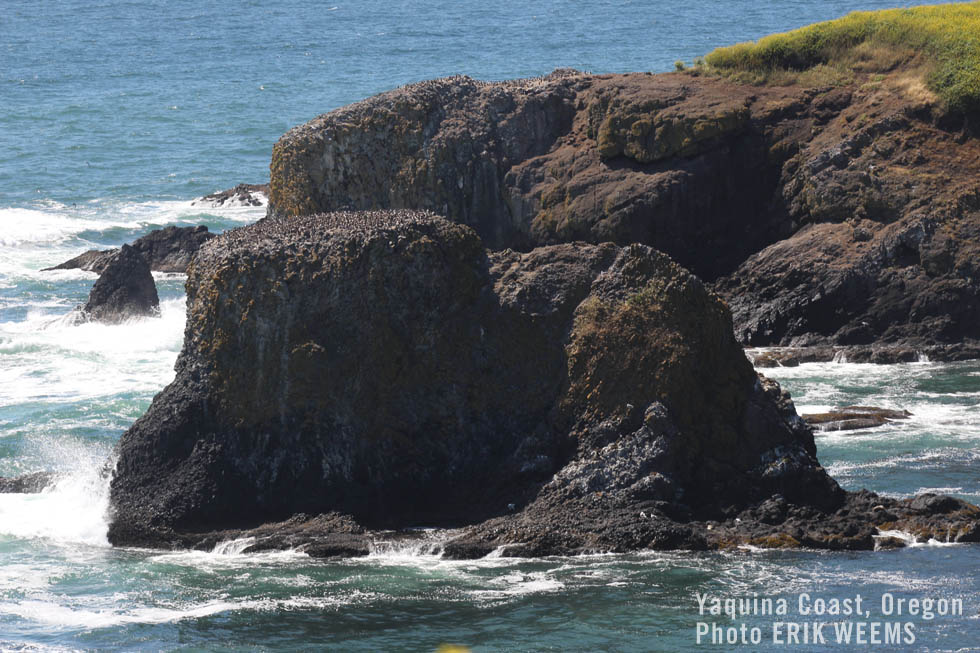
943 39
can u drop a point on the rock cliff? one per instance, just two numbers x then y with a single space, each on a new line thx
353 371
837 214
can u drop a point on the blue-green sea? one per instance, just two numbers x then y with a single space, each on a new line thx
116 114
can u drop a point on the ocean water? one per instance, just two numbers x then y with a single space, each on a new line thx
114 115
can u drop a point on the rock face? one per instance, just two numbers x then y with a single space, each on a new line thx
824 216
124 290
166 250
384 370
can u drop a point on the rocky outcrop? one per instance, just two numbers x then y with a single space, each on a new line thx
831 216
166 250
124 290
348 372
240 195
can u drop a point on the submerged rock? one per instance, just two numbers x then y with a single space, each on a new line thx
124 290
850 418
166 250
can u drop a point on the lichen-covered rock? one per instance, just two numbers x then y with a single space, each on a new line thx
387 366
125 289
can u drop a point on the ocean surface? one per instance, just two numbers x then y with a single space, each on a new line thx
114 115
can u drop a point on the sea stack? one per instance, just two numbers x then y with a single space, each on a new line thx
384 369
124 290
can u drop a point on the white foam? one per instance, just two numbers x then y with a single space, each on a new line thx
519 584
53 224
909 539
50 233
233 547
228 555
74 510
55 614
49 358
428 544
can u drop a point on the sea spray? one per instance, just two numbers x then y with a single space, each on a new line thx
75 508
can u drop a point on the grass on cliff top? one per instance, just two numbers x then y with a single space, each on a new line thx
944 40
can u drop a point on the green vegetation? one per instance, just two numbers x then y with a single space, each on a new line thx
942 40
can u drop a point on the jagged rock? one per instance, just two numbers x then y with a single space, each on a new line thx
855 525
827 216
385 370
240 195
388 367
124 290
888 242
166 250
26 484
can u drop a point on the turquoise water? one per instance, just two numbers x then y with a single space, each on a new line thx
115 115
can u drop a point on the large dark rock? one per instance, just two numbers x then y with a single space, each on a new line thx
166 250
387 367
124 290
830 216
